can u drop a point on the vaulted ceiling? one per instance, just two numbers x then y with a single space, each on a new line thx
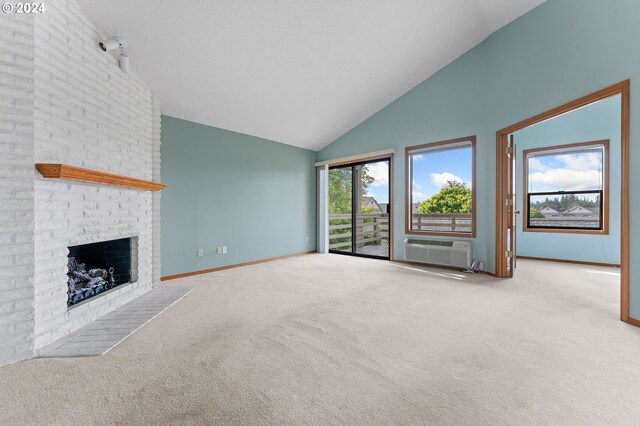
301 72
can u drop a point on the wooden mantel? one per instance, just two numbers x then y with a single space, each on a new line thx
65 171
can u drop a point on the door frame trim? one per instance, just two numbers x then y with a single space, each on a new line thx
622 89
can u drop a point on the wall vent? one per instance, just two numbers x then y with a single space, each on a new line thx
438 252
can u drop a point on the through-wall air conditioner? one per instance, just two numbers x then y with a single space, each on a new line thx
438 252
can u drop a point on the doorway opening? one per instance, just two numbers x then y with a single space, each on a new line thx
360 215
571 185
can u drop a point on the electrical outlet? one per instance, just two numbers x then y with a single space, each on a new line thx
224 250
200 252
218 250
307 239
397 244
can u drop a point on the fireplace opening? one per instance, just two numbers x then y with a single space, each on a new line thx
95 268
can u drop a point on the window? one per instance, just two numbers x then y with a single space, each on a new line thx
566 188
440 183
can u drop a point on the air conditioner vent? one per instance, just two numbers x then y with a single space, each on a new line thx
438 252
429 242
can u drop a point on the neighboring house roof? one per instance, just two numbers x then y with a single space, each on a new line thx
549 210
579 210
371 202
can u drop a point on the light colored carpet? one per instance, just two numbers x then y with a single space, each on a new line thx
338 340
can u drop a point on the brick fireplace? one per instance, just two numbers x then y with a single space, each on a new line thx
68 215
97 268
73 106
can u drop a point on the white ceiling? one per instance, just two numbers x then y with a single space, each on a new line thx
301 72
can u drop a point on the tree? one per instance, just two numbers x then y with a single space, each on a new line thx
454 197
340 199
340 191
566 202
535 213
340 184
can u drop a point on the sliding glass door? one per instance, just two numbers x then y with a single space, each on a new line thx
359 209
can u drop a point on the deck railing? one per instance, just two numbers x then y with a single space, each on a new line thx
450 222
371 229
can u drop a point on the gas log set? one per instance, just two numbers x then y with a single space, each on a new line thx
83 284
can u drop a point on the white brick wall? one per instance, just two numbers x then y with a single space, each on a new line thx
63 100
88 113
156 195
16 188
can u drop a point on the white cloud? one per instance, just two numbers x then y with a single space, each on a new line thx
379 172
417 157
416 194
419 196
568 180
441 179
581 162
535 165
579 172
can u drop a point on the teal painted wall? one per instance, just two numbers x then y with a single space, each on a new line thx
560 51
255 196
594 122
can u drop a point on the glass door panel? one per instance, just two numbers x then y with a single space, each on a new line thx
372 209
340 209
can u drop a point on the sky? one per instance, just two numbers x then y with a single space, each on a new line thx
566 172
577 171
432 170
379 189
